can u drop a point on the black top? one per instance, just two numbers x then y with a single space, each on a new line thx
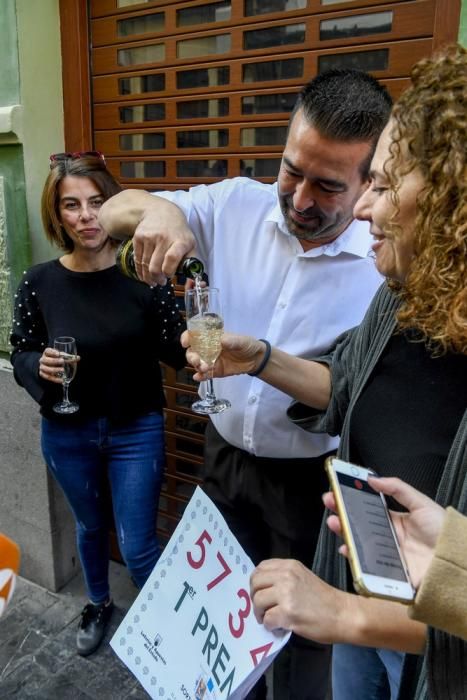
122 329
405 420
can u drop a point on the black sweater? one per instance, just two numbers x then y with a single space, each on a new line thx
122 329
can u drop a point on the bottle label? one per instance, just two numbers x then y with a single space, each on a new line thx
125 259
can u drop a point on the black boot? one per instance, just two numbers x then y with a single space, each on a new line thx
91 630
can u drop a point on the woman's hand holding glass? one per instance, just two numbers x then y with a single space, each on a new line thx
240 354
52 367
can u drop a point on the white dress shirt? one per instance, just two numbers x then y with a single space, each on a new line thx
270 288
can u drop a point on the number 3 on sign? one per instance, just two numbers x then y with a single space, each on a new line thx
242 614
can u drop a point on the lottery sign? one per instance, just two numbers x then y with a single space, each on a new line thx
191 633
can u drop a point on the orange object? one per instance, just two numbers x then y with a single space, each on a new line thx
9 567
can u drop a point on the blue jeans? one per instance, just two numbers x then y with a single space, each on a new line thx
131 457
365 673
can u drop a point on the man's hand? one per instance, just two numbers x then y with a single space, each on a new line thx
161 235
417 530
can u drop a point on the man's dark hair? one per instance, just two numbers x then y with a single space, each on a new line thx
346 105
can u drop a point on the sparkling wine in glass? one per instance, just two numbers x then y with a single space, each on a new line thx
66 346
206 326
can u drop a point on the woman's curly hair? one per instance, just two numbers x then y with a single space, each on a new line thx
430 132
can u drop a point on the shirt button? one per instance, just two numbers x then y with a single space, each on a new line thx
282 305
252 400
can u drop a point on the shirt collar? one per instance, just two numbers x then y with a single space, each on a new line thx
355 240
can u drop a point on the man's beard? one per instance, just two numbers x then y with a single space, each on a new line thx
318 227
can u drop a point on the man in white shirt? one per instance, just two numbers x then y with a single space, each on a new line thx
293 267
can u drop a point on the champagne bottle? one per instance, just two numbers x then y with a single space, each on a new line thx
189 267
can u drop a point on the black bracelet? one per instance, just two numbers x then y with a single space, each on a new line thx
265 359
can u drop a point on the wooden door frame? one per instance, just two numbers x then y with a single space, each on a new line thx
76 74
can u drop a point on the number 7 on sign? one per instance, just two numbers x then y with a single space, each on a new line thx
198 563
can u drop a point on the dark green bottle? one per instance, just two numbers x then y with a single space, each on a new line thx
189 267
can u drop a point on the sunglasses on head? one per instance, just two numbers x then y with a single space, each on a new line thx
74 155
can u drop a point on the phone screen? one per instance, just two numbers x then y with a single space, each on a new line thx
371 529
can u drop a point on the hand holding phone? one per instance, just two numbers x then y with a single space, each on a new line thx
375 559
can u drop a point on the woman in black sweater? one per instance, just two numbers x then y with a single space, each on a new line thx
122 329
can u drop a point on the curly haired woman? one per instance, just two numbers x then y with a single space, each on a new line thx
395 389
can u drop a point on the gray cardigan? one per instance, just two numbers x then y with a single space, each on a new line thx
351 361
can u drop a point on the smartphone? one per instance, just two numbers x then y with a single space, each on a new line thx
375 559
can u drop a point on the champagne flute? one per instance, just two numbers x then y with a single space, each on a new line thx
205 325
66 346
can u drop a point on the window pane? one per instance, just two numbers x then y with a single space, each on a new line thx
183 400
362 60
203 46
198 109
141 25
189 446
142 113
142 54
182 489
143 168
203 77
264 104
185 376
182 466
274 36
264 136
204 14
273 70
190 424
141 83
212 138
358 25
201 168
264 167
261 7
142 142
125 3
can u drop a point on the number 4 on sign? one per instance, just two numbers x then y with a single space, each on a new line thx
261 652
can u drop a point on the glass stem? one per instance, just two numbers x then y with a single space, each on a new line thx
65 393
210 395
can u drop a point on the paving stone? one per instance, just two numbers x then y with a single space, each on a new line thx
138 693
62 690
32 592
56 617
21 615
22 642
53 655
25 680
67 635
112 682
31 643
